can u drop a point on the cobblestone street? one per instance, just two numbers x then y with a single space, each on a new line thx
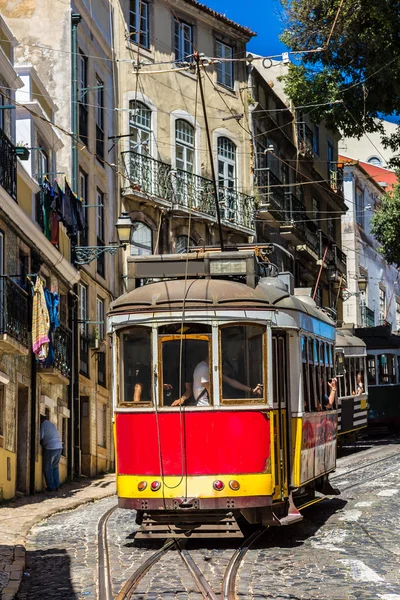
346 548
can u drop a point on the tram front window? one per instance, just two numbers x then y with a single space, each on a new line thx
242 353
136 366
186 372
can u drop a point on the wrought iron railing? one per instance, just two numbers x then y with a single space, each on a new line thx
367 317
157 179
340 259
305 138
271 189
294 213
325 247
62 350
336 178
14 310
8 166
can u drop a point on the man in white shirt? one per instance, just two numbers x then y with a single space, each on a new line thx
52 448
201 383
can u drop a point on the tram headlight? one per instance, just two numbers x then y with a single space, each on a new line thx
218 485
142 486
155 486
234 485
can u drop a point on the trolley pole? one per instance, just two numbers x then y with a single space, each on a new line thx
210 151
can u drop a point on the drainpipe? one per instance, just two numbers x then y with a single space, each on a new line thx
76 19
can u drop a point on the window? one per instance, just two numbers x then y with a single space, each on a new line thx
386 369
227 177
23 269
371 370
100 231
139 127
316 139
82 97
136 381
183 243
102 425
83 326
99 119
63 309
184 138
315 210
63 432
375 160
83 193
359 207
43 163
330 157
382 305
100 318
225 67
183 41
139 32
141 241
242 354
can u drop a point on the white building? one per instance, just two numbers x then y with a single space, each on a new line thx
373 286
369 147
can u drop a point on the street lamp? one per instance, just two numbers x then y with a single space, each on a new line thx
85 254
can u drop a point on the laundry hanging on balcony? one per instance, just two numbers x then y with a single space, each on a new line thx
52 303
40 322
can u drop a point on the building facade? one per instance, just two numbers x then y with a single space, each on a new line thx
78 73
299 188
373 286
167 181
27 388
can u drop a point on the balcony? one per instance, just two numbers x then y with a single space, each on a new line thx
14 318
184 191
57 368
367 317
8 166
336 177
324 245
305 139
340 260
272 192
294 220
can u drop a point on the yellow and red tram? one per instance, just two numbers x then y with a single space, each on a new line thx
260 439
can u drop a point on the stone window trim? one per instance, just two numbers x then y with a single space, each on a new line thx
225 133
128 98
182 115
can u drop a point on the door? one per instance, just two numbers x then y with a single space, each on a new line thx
281 416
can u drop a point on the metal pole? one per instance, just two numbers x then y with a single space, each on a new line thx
76 19
197 59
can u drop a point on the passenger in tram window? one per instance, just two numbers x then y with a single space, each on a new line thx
328 402
360 385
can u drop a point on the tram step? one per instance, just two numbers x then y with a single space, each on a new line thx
184 526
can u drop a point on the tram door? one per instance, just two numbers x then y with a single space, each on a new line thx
280 394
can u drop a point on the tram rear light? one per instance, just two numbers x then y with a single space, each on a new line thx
218 485
155 486
234 485
142 486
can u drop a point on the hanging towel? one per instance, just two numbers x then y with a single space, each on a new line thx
55 229
40 323
52 303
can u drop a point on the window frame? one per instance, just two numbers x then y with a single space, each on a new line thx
143 132
83 193
257 400
136 16
180 40
140 246
99 119
187 148
83 327
101 406
62 427
83 69
224 70
121 401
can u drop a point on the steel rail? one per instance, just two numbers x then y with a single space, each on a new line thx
230 575
133 581
105 585
201 582
375 462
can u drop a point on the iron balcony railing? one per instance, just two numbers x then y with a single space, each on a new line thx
62 350
340 259
294 213
14 310
336 177
271 189
8 166
305 138
325 247
367 317
158 179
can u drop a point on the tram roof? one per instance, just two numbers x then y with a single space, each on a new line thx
216 294
346 339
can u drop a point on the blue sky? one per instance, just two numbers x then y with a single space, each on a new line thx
262 16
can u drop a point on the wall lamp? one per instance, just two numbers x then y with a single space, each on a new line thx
85 254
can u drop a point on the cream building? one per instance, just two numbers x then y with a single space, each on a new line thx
167 186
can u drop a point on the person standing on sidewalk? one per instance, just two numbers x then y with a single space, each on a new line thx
52 448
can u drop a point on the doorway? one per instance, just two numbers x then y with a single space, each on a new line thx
22 440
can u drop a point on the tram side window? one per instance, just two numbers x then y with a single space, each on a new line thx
306 381
242 353
313 403
339 373
136 365
353 376
361 371
371 370
347 376
386 373
186 373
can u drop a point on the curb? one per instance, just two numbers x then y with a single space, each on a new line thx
17 567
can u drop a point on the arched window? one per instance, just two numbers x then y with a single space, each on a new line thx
141 240
226 163
375 160
139 127
183 242
184 140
